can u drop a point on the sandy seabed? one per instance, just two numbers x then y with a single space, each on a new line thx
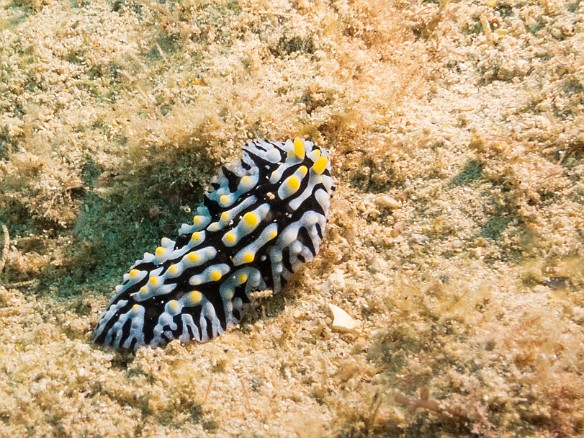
456 239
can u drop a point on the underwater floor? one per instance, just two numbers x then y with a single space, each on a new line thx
455 243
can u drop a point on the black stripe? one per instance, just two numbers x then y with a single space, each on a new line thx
196 314
257 145
305 239
189 329
125 330
232 179
209 328
182 240
109 324
286 259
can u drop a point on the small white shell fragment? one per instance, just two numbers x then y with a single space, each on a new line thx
342 322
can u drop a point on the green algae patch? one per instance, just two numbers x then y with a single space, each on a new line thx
495 226
472 171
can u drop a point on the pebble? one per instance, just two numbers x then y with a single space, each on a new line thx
386 201
342 322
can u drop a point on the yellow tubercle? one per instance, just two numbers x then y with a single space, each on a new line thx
195 297
136 308
224 199
246 180
251 219
248 257
319 165
144 290
198 220
224 216
230 237
215 275
242 278
160 251
299 149
193 257
229 295
272 234
303 170
134 273
293 183
153 281
173 305
173 269
196 236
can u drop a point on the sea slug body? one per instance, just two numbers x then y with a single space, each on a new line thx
261 219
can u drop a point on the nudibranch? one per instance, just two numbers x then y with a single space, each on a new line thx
261 218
